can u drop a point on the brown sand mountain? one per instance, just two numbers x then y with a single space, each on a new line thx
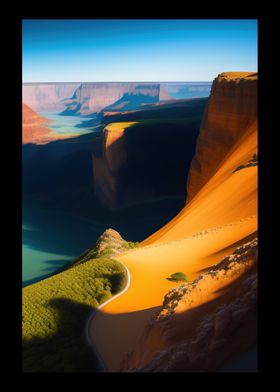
220 216
44 97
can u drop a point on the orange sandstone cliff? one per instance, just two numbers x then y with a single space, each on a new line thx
231 109
136 158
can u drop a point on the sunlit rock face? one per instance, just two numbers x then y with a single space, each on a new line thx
44 97
93 97
232 108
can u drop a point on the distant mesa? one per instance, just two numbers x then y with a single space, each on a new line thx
231 109
47 97
86 99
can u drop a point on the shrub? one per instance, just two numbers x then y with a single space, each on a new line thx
178 277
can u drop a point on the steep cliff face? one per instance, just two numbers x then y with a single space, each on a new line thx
232 108
106 167
44 97
138 149
93 97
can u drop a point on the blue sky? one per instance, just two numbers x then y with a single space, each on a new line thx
136 50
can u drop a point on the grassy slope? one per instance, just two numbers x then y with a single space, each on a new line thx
55 311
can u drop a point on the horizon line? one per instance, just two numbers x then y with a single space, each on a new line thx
134 81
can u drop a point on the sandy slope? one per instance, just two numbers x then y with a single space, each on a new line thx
221 216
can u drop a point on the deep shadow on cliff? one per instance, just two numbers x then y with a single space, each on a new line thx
146 154
59 175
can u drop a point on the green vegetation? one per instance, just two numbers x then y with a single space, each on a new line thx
131 245
55 310
178 277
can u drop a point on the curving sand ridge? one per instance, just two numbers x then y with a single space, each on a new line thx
219 218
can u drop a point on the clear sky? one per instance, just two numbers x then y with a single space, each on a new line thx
136 50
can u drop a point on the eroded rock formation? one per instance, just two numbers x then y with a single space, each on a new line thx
232 107
203 323
213 319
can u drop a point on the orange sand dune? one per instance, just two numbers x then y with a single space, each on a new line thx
222 215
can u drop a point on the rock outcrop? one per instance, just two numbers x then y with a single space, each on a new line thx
232 107
93 97
109 244
136 161
192 337
34 129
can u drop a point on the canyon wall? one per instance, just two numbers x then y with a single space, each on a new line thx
44 97
106 167
232 108
88 98
93 97
137 161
